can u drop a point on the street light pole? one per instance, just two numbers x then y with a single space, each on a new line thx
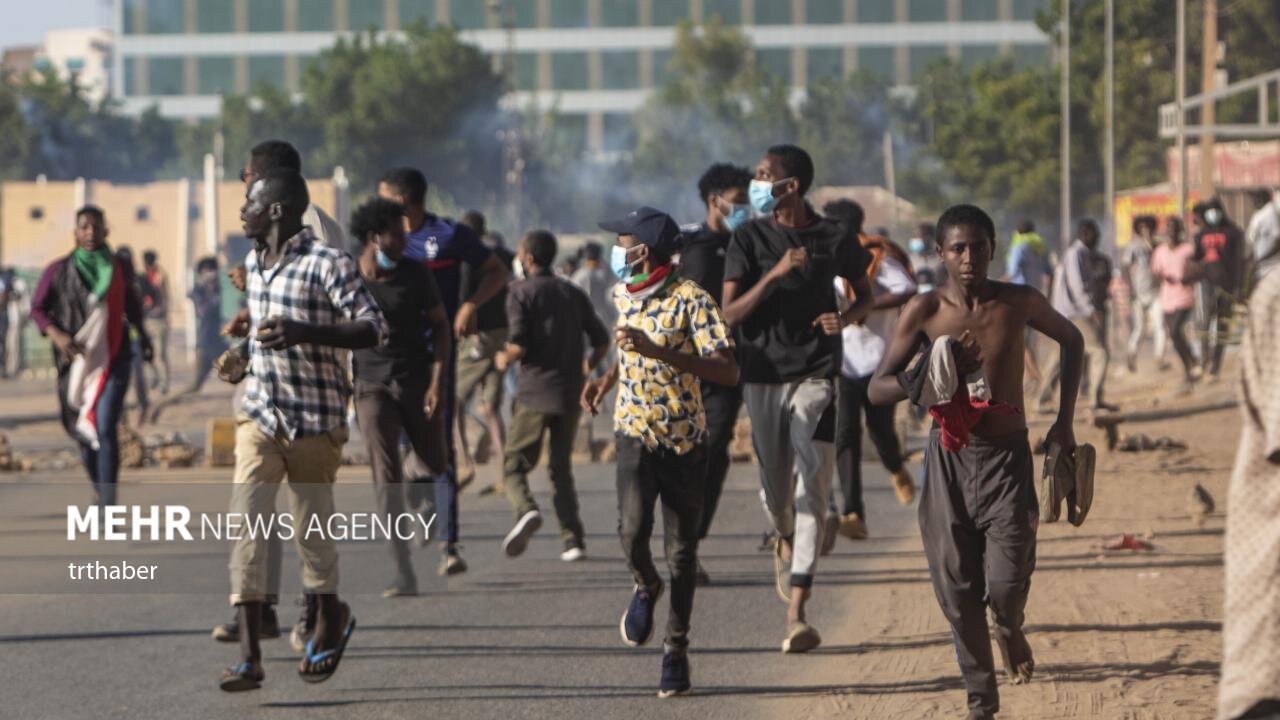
1109 166
1065 143
1180 93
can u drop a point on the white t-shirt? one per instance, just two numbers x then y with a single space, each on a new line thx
865 343
325 228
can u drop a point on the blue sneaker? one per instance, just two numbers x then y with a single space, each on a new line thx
675 675
637 622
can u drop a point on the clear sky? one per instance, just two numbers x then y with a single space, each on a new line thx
25 22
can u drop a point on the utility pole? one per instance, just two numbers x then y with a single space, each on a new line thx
1109 159
890 176
1180 94
1064 59
1208 80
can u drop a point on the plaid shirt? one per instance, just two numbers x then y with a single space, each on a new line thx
303 390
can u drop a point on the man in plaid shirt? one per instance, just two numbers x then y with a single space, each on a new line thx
305 299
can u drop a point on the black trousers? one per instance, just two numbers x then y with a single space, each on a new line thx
1176 327
852 402
645 476
978 516
721 404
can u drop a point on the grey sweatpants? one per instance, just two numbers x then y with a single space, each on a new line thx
978 519
795 469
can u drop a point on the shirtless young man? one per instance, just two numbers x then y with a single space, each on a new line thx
978 510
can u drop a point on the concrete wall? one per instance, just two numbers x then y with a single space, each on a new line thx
37 221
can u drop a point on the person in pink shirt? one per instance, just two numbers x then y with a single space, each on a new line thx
1173 263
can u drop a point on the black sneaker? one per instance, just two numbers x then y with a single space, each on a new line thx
230 632
675 675
306 625
637 622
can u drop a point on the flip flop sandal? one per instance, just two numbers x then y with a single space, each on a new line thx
241 677
1054 482
312 657
1080 499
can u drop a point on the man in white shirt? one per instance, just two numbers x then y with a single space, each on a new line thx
1264 236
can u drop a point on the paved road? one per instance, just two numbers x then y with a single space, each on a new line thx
531 637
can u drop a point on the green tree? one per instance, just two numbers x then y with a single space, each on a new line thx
16 136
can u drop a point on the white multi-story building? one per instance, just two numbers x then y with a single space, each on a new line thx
595 59
81 52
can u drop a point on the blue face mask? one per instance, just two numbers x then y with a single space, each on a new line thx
738 214
618 263
916 246
761 194
384 262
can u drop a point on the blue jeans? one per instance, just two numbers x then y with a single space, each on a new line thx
103 464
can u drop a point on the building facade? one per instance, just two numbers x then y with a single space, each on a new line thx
595 59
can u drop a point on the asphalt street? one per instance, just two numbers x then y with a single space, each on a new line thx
531 637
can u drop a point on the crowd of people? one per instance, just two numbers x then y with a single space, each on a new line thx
801 316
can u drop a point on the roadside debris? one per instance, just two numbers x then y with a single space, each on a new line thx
1144 443
1126 542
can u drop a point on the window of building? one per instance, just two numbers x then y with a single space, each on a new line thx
129 10
130 67
467 14
266 16
776 62
525 71
670 12
569 71
877 60
729 11
773 12
971 55
621 69
164 76
661 58
876 11
412 11
1028 55
36 212
526 12
315 16
569 13
165 16
213 16
215 76
266 70
74 64
921 55
365 14
823 13
980 10
142 213
619 14
927 10
824 64
1027 9
619 133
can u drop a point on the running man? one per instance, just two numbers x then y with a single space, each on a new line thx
305 300
548 317
778 278
399 385
444 247
723 190
978 511
671 341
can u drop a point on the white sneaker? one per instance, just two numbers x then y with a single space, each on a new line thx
573 554
518 539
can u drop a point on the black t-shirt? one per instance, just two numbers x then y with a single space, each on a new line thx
493 314
549 317
702 257
1221 250
404 297
779 342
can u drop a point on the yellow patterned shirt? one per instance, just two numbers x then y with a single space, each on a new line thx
658 404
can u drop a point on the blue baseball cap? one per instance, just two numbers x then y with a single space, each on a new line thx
650 226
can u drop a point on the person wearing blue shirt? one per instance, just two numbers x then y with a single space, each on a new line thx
444 247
